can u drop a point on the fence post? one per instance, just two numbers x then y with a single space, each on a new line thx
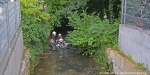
124 16
15 15
0 49
19 13
16 26
122 11
8 27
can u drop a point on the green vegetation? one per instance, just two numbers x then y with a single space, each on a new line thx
110 7
92 35
140 66
35 28
129 57
95 24
60 9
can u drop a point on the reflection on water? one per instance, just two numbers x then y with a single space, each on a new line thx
67 62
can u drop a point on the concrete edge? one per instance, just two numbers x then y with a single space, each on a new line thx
125 61
135 27
24 70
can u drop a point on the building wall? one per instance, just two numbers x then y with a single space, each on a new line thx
135 42
11 63
9 24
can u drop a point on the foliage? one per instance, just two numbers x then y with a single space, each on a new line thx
35 33
35 28
33 59
93 34
62 9
110 7
129 57
33 8
140 66
110 67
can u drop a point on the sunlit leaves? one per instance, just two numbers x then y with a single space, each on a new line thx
35 28
33 8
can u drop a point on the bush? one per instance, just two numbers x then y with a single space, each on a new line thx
92 35
36 28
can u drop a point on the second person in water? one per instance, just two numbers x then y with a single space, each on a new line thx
59 41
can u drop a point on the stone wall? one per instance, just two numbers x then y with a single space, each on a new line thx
25 63
123 66
135 42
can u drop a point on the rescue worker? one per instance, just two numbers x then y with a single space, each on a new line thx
53 40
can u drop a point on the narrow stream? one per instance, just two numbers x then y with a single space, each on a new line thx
67 62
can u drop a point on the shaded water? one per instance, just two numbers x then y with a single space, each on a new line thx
67 62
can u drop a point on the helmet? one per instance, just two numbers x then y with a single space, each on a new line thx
59 34
61 40
54 32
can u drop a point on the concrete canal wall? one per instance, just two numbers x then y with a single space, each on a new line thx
135 41
123 66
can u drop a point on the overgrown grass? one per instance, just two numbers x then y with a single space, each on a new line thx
140 66
129 57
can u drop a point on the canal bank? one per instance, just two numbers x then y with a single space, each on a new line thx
25 64
123 65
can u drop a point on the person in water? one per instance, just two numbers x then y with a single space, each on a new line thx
59 40
59 36
53 40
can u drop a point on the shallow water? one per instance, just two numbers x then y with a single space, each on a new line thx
67 62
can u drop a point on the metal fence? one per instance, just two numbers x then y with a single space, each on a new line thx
10 18
136 13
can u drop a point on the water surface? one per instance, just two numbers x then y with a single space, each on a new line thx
67 62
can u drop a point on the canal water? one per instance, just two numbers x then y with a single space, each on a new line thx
68 62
